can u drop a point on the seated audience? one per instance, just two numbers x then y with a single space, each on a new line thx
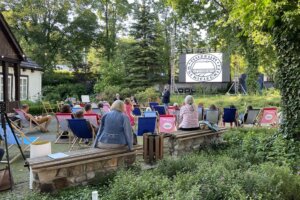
117 97
188 117
88 110
133 100
115 131
100 106
66 109
246 113
80 115
128 111
45 120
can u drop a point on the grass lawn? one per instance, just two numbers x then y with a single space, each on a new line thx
240 101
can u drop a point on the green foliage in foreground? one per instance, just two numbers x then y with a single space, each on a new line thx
254 164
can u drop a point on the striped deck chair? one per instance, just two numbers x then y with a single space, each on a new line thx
23 140
32 124
93 119
251 117
62 125
212 116
167 124
268 117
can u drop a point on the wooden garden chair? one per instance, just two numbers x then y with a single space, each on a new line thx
47 107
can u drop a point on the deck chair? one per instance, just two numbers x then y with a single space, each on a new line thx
229 116
200 113
146 125
167 124
171 110
62 125
81 130
32 124
150 114
47 107
160 109
93 119
251 117
212 116
74 110
23 140
137 111
268 117
152 104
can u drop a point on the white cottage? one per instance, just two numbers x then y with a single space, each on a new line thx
20 78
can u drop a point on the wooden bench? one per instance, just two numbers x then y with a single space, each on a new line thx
79 168
181 142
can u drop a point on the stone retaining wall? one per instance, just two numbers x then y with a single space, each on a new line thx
53 178
181 146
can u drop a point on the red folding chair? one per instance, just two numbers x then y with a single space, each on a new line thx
268 117
93 118
62 125
167 124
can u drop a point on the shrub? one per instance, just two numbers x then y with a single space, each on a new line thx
62 91
148 95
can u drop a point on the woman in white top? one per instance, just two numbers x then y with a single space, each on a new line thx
188 118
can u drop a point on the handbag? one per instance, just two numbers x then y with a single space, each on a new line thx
5 181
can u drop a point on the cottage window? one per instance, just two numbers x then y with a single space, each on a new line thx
24 88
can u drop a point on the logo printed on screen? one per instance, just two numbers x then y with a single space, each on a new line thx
204 67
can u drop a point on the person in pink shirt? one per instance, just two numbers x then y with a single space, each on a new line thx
128 110
188 117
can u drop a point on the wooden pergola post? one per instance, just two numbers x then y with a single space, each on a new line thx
17 81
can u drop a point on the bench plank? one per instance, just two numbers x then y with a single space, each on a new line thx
78 155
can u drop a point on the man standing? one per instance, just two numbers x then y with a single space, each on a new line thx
166 96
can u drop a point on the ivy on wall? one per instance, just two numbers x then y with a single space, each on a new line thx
286 34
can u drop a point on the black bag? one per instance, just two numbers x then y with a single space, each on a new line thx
5 183
135 142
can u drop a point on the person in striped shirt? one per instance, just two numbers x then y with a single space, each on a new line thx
188 118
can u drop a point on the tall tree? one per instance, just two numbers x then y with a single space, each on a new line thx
145 66
46 28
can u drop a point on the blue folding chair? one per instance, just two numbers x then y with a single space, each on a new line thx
146 125
137 111
150 114
74 110
229 115
23 140
152 104
81 130
160 109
